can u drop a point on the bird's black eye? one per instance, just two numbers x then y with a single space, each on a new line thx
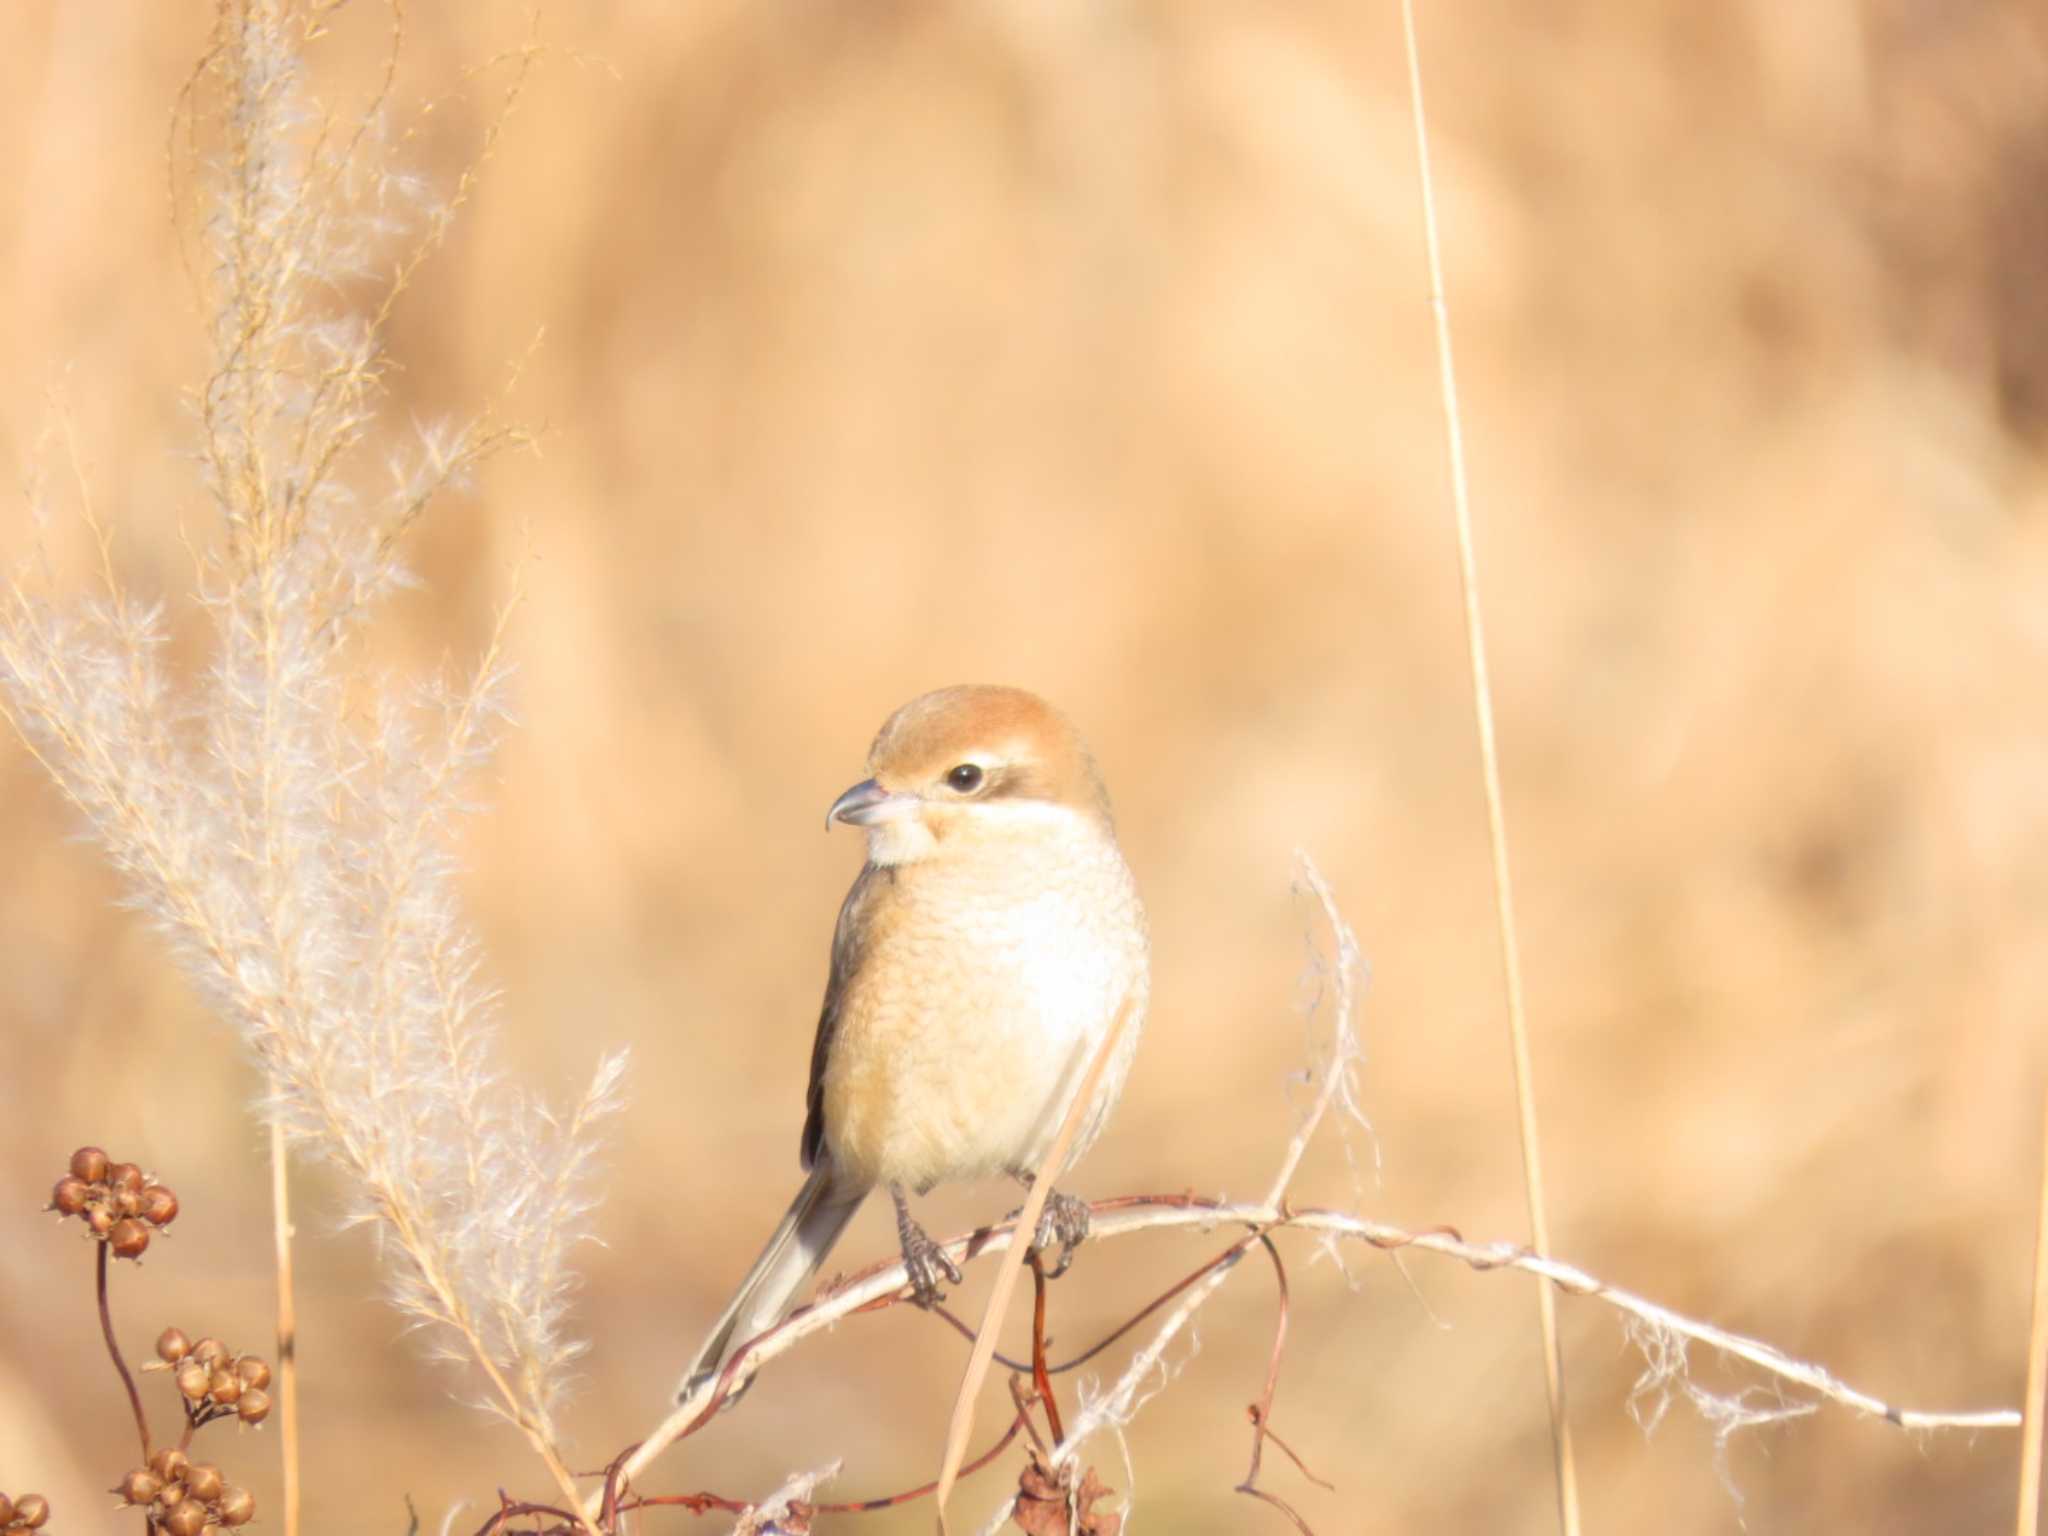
966 778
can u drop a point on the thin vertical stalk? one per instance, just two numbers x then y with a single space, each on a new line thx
1496 816
1012 1261
287 1328
2037 1360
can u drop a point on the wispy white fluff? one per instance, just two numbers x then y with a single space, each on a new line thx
1331 1076
768 1517
285 820
1667 1373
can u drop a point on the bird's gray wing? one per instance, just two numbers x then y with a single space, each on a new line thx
849 945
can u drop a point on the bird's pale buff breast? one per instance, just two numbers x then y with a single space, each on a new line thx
989 978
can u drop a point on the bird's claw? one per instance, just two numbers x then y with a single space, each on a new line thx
925 1260
1064 1221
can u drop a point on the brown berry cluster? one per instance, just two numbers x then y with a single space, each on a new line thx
26 1513
182 1497
213 1381
119 1204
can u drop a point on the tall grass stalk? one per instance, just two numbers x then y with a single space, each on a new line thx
2029 1517
1496 812
282 817
287 1325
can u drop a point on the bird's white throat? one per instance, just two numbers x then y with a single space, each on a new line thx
907 839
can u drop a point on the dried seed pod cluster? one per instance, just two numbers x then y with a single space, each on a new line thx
183 1497
213 1380
26 1513
119 1203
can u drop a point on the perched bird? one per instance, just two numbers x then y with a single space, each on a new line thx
990 940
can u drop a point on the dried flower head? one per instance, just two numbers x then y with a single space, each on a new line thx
119 1203
213 1379
183 1498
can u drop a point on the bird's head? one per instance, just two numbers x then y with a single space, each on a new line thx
963 766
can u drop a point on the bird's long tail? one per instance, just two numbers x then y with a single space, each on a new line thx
796 1252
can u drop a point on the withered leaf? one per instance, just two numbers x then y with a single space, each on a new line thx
1042 1503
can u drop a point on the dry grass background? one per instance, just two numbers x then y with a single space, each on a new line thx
1084 347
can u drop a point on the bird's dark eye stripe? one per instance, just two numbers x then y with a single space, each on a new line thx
965 778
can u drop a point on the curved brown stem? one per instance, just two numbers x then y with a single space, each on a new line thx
511 1509
863 1506
619 1502
1229 1255
114 1353
1261 1412
1039 1378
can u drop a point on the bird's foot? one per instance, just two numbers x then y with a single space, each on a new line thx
924 1258
1064 1221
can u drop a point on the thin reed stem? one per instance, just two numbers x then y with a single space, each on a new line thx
982 1354
287 1326
2037 1360
1496 816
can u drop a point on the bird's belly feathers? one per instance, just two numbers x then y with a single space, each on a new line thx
971 1021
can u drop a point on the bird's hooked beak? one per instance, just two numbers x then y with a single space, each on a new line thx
867 804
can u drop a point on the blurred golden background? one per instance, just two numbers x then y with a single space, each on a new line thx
1086 347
